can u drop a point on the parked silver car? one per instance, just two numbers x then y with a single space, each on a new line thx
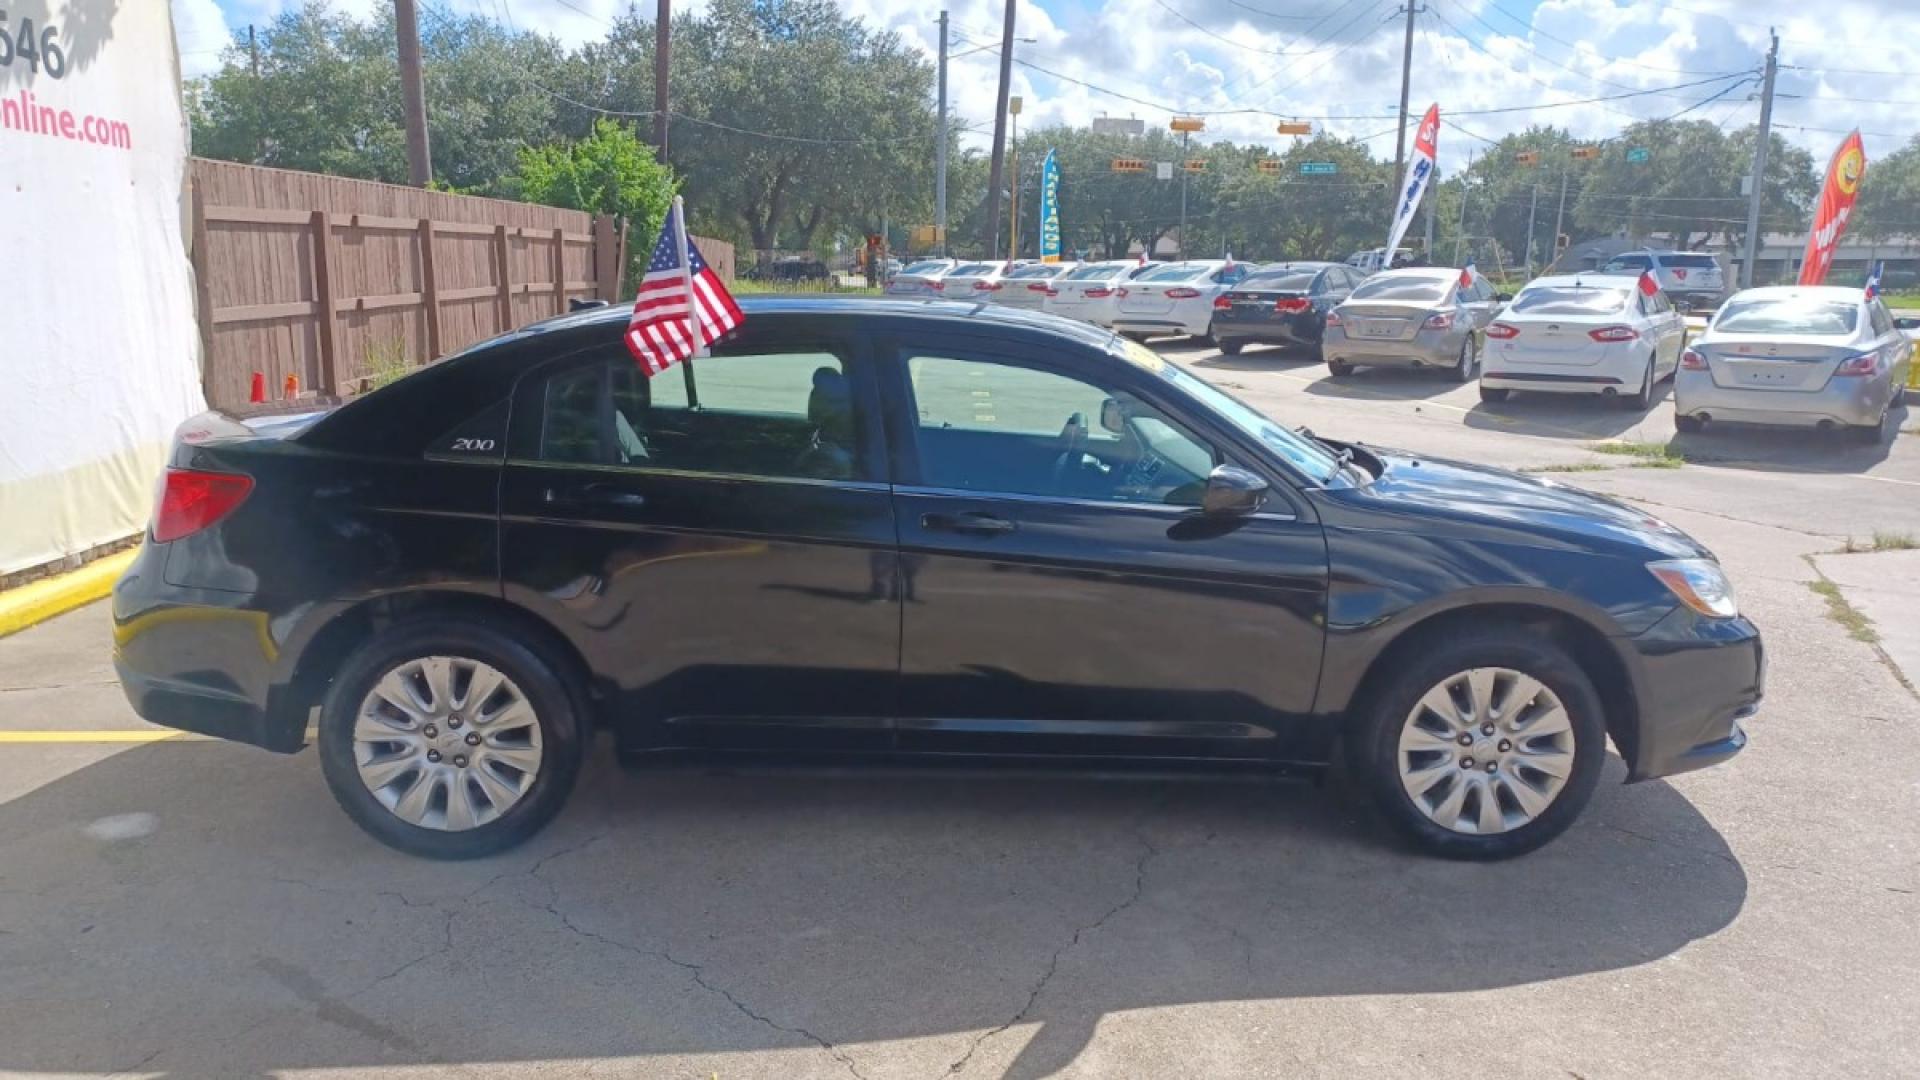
1420 317
1816 356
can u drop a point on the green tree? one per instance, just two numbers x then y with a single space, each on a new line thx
610 171
1889 203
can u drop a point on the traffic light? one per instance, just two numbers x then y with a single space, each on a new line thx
1294 127
1585 153
1269 165
1187 123
1529 158
1127 164
1195 165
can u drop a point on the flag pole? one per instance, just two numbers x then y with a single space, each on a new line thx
686 275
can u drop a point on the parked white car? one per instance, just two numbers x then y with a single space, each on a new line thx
1583 334
1090 292
1175 299
1796 356
922 278
977 280
1028 285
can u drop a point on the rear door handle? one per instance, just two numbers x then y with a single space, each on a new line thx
599 493
971 523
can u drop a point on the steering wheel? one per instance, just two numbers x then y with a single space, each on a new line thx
1073 450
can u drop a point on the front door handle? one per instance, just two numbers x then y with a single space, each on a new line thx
600 494
972 523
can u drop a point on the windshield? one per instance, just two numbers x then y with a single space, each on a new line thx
1570 300
1309 457
1690 262
1631 262
928 267
1788 315
1385 287
1283 281
1094 272
1176 272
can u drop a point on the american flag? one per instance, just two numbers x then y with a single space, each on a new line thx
660 334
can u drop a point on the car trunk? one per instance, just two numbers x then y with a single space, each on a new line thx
1550 341
1072 294
911 283
1150 298
1260 305
1378 320
1788 363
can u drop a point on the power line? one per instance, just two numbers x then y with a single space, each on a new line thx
1178 14
1576 47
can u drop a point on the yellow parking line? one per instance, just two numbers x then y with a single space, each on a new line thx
111 735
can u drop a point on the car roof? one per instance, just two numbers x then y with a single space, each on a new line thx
1845 293
1568 281
1298 264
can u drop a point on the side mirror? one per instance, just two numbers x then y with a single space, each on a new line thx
1503 297
1233 492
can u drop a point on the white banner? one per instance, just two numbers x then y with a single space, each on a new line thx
99 352
1414 184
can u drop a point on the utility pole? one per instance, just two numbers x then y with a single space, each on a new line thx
662 63
259 128
1560 218
1013 183
413 97
1184 137
940 150
996 172
1466 192
1532 214
1400 140
1433 211
1760 162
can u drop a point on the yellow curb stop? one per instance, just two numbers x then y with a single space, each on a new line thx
38 601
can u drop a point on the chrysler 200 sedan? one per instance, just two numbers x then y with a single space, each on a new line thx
864 527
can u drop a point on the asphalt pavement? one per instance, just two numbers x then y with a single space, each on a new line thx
186 908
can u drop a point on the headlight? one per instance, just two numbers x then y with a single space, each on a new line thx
1700 584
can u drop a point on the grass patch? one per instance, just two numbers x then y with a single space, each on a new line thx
815 287
1646 455
1857 626
1882 541
1581 466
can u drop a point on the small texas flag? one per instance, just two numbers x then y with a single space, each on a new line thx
1873 280
1229 260
1649 286
1466 275
1143 256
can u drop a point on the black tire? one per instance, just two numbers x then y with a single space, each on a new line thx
1340 368
1462 370
1494 395
1374 747
1688 424
1232 348
1642 399
1870 434
1899 396
557 701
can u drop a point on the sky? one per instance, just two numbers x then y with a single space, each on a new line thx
1245 64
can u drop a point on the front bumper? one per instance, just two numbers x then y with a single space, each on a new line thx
1695 680
200 660
1847 401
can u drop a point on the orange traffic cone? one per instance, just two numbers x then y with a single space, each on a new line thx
292 388
259 393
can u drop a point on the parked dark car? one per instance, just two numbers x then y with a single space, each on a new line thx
871 527
790 270
1284 304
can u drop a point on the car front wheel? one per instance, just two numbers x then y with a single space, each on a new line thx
1486 747
450 740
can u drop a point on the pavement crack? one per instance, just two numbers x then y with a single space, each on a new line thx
1053 962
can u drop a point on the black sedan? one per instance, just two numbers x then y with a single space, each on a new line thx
1284 304
884 528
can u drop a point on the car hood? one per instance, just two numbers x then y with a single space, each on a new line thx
1544 511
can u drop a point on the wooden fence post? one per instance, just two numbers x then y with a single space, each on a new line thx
323 298
605 269
559 271
620 263
430 288
500 252
202 290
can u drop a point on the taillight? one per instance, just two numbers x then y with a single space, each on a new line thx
1614 333
1097 293
1502 331
191 500
1221 303
987 286
1439 320
1333 320
1051 291
1692 360
1120 292
1182 294
1292 306
937 286
1864 364
1039 286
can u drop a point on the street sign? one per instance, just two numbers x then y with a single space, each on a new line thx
1163 170
1013 105
1319 168
1639 155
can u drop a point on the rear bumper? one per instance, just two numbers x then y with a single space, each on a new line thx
1170 323
1427 349
1503 367
1695 681
200 660
1262 334
1845 400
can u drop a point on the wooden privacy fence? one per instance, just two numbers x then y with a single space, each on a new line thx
332 280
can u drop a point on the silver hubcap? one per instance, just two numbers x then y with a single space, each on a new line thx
446 742
1486 751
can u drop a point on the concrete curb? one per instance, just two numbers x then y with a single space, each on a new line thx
38 601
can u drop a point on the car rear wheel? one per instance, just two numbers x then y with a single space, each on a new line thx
1642 398
1232 348
450 740
1463 367
1340 368
1486 747
1688 424
1494 394
1870 434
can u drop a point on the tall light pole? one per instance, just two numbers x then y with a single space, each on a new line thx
1765 136
413 96
1186 126
940 150
996 172
662 63
1013 170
